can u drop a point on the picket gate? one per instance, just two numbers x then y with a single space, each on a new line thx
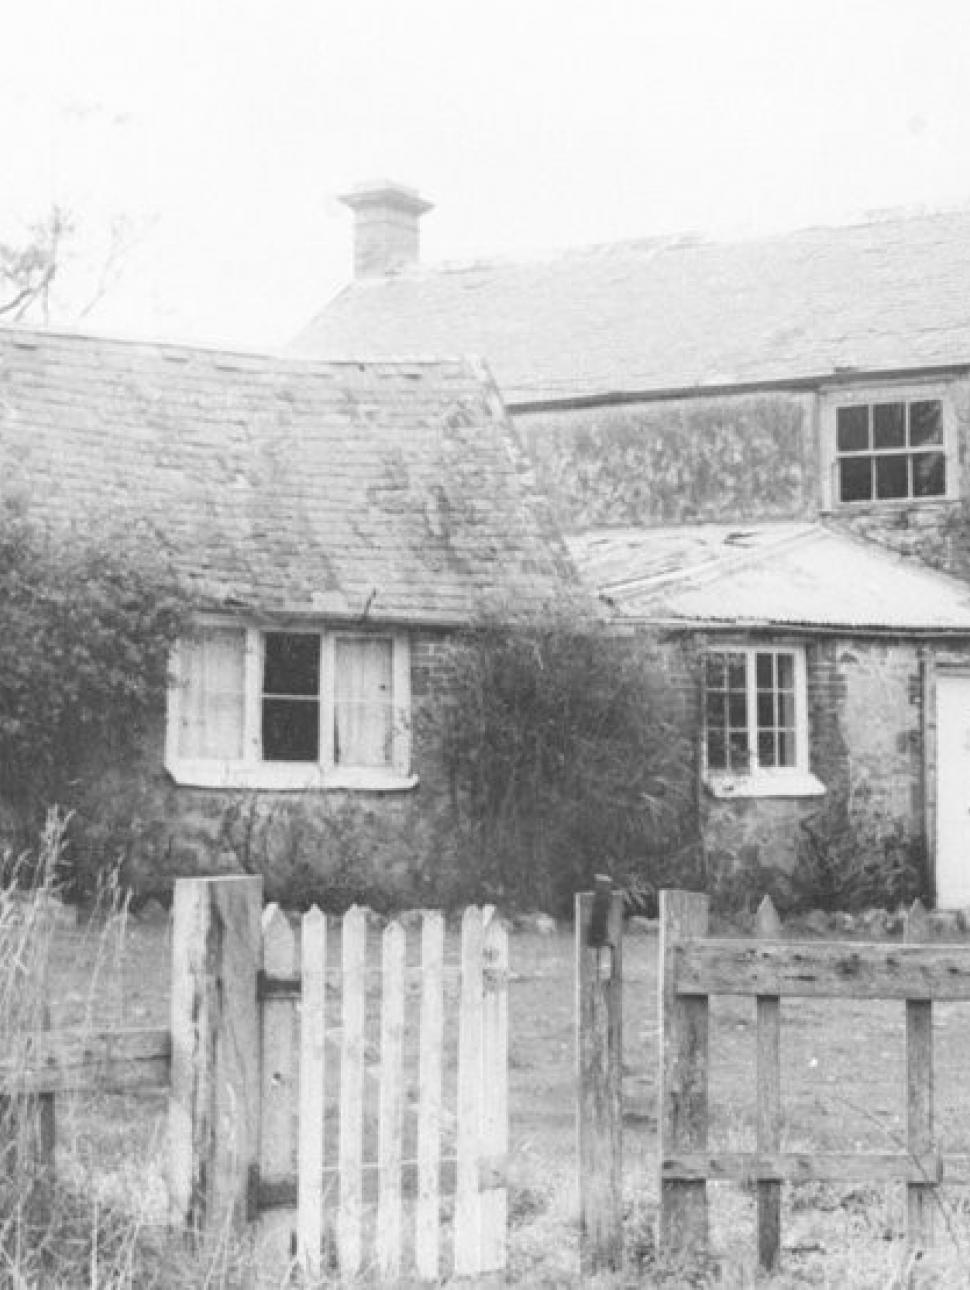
340 1087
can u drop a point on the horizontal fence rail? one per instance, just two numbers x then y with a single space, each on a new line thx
822 969
86 1061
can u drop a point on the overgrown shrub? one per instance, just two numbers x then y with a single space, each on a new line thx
89 616
855 864
567 753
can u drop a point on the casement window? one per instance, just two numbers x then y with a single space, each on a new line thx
893 446
756 722
290 709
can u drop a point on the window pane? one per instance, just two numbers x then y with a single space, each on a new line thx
715 749
766 710
212 697
764 670
292 663
786 671
889 425
766 748
892 476
363 702
852 429
786 709
738 711
714 677
786 748
929 474
925 422
738 751
291 730
855 479
737 675
716 701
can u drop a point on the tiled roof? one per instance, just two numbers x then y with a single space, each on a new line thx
678 313
787 575
288 485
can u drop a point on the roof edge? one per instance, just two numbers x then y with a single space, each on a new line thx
798 384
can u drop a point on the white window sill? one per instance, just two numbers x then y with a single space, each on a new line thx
296 777
790 783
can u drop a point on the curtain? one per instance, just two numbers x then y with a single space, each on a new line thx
363 702
212 699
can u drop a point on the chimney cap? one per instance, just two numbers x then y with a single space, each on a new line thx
386 192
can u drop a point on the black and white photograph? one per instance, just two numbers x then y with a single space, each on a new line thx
484 644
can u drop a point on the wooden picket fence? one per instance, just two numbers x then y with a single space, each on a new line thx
343 1094
286 1065
693 967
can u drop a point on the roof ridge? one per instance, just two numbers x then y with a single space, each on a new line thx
285 359
655 243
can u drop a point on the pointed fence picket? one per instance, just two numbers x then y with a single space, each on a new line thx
362 1127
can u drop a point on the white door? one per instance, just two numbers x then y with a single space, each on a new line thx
953 790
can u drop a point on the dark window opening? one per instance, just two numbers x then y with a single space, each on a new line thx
890 451
291 697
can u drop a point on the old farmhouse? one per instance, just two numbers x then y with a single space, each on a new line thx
336 521
759 447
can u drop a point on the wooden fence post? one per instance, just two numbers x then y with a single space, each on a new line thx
682 1122
919 1093
213 1103
599 1118
768 927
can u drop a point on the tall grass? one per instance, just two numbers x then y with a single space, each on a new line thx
62 1226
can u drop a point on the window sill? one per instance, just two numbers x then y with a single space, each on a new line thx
288 777
782 784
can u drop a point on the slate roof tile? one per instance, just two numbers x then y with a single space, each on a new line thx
282 484
678 313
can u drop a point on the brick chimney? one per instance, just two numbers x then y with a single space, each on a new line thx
386 232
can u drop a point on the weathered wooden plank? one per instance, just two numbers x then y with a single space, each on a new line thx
599 986
111 1061
495 1097
428 1209
768 927
468 1211
349 1214
390 1127
312 1068
919 1094
833 969
682 1122
213 1102
755 1166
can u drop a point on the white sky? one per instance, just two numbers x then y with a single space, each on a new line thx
225 129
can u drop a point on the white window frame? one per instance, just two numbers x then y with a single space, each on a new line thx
250 771
888 392
763 781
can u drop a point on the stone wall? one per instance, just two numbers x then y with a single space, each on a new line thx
865 702
742 457
289 837
678 461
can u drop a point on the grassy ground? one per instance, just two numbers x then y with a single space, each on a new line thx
843 1089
